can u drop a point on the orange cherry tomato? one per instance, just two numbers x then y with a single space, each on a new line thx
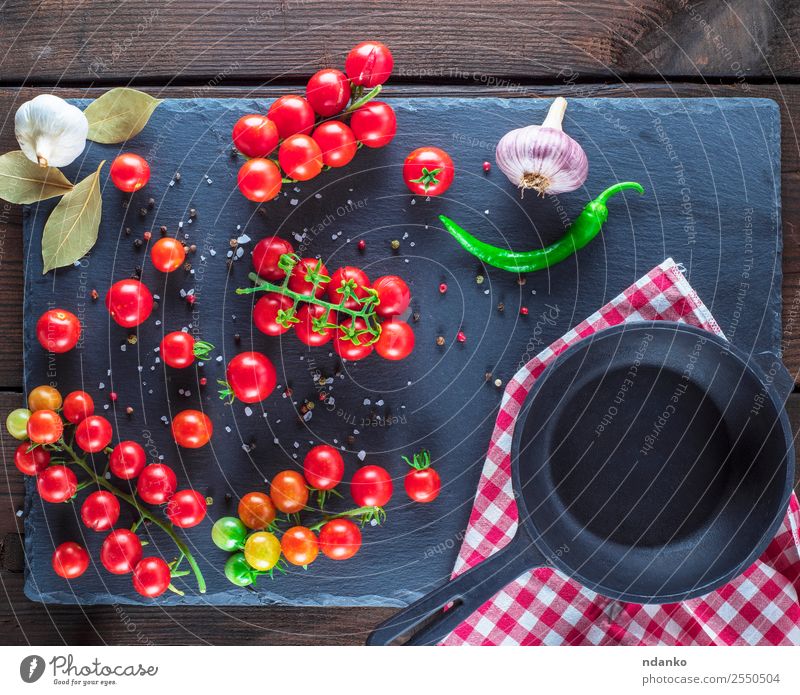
256 510
299 546
44 398
45 427
289 492
167 254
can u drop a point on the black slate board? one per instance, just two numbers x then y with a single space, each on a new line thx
711 170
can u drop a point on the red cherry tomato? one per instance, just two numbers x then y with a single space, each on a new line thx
291 114
127 460
336 142
428 171
31 462
289 492
120 552
266 255
177 349
78 405
70 560
130 172
354 278
423 485
167 254
304 330
100 511
45 427
251 377
265 313
298 280
186 508
374 124
300 157
393 294
259 180
129 302
192 429
396 341
156 483
57 484
323 467
151 577
58 330
299 546
255 135
93 434
339 539
328 91
369 64
346 348
371 486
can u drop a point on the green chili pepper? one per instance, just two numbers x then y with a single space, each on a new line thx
580 233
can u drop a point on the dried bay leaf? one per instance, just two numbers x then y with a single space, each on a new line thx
23 181
119 114
71 229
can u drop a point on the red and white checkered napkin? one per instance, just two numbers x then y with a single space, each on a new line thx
545 607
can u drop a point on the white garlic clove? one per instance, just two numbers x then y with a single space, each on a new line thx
50 131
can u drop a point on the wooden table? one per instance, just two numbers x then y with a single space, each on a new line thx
621 48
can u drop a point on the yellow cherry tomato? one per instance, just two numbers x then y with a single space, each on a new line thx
262 551
44 398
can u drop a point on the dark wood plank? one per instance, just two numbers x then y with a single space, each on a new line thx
787 96
465 41
26 622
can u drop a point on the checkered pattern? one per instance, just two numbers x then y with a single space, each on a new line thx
545 607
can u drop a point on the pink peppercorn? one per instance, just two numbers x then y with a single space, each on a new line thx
362 245
190 298
461 338
113 395
203 381
443 288
147 236
487 167
523 311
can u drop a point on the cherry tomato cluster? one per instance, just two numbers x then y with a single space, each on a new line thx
310 132
357 315
42 426
255 537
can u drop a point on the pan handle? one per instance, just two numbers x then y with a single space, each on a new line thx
469 591
775 372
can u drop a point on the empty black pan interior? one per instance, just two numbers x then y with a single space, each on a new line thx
652 468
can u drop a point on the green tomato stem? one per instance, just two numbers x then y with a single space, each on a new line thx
361 100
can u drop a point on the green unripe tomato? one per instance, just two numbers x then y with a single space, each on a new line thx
238 571
17 423
228 533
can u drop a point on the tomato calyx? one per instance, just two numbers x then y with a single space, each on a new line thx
202 350
419 461
428 178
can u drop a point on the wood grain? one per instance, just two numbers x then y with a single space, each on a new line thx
464 41
787 96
